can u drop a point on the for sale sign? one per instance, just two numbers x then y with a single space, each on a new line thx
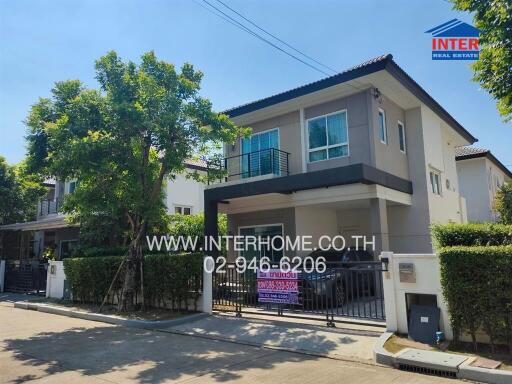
276 286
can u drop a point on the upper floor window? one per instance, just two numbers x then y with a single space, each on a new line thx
435 182
383 132
182 210
328 137
401 136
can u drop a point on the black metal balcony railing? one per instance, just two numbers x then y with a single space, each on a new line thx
257 163
49 206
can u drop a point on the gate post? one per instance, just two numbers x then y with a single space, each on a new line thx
2 275
207 297
388 285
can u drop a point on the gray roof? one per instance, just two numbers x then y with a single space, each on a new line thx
467 152
470 151
383 62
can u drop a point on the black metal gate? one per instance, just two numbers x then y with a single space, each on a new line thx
344 290
25 277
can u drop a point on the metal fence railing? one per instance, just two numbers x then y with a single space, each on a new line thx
251 164
352 289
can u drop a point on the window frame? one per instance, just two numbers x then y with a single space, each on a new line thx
432 175
385 126
250 137
240 253
400 124
327 147
182 209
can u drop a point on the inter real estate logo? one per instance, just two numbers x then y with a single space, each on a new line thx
454 40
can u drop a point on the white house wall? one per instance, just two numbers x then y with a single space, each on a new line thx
184 192
439 148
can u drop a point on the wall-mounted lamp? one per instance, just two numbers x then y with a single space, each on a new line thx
385 263
377 95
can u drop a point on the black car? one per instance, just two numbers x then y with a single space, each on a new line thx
350 275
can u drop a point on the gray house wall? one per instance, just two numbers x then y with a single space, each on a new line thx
474 186
409 226
388 157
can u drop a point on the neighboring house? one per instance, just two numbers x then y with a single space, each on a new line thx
363 152
480 176
28 240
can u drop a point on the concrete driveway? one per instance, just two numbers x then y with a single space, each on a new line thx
43 348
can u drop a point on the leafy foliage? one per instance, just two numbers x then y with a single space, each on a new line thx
478 289
493 69
193 226
171 281
19 192
472 234
503 203
120 142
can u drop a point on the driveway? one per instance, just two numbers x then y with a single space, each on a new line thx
44 348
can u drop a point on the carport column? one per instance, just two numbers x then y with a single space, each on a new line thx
379 221
210 230
388 285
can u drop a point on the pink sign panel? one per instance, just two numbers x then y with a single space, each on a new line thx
276 286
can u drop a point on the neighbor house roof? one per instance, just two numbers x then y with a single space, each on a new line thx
51 222
195 164
465 153
384 62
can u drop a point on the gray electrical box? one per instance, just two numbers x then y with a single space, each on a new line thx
406 272
424 323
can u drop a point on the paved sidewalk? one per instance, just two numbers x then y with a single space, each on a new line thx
42 348
345 344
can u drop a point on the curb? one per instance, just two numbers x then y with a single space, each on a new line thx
493 376
463 371
116 320
380 354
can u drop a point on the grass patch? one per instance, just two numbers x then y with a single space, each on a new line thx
393 344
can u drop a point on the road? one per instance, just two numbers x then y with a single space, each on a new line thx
42 348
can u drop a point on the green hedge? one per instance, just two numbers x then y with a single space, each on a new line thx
477 285
169 280
449 235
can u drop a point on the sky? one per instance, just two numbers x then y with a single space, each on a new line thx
42 42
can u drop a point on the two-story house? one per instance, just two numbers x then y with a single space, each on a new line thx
364 152
50 230
481 174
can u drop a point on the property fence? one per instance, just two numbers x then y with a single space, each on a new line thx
352 289
25 276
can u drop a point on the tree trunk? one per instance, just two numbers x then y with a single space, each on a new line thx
132 266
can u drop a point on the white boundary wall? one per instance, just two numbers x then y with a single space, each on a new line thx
55 280
428 281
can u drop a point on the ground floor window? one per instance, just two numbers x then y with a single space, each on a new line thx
67 247
268 232
182 210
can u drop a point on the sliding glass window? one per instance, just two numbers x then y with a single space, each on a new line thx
328 137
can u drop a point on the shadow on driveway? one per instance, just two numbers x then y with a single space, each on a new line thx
120 354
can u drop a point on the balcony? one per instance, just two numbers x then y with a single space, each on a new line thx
271 161
47 207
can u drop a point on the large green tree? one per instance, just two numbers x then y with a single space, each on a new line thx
19 193
494 68
121 141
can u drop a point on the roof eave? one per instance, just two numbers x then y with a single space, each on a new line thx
489 156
